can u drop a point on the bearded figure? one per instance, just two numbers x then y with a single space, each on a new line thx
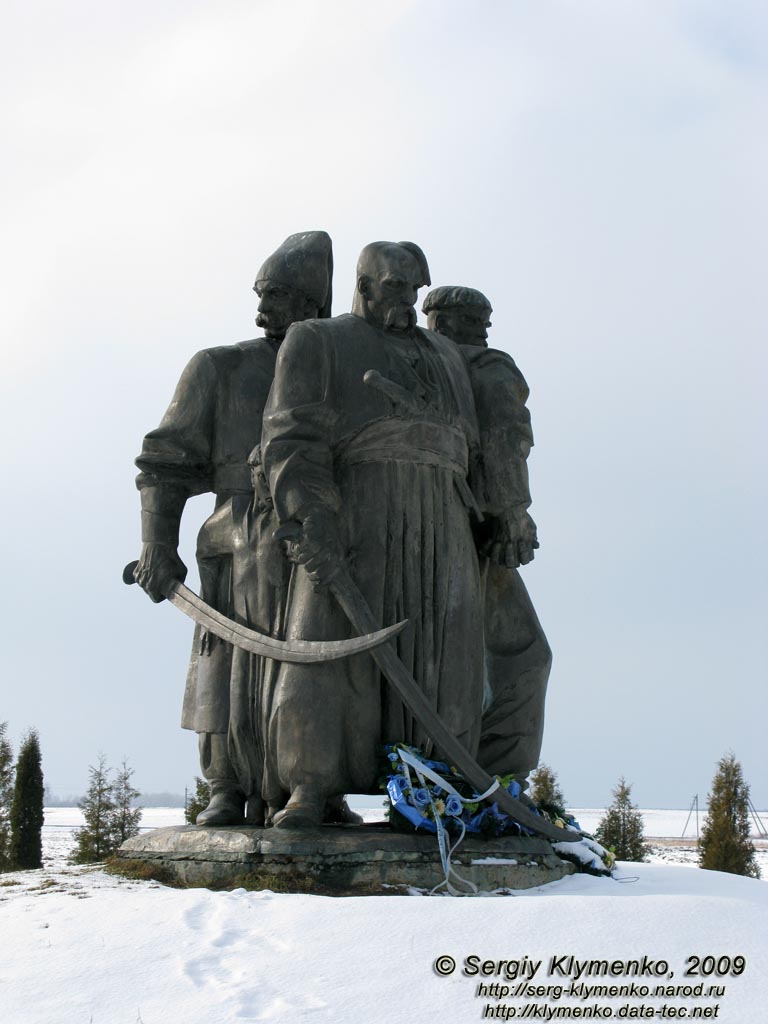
370 439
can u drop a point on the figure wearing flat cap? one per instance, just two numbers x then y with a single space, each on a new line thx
517 655
369 437
203 444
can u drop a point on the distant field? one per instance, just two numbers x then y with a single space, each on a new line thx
666 826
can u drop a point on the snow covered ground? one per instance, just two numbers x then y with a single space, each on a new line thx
81 947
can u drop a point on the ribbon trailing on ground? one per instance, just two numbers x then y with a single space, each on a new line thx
423 772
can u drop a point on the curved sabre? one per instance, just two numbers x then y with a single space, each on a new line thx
302 651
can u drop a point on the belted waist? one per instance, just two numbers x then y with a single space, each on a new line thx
397 440
234 478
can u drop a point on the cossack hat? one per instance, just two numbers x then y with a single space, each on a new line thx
449 296
304 262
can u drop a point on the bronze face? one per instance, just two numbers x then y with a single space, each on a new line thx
466 325
389 291
279 307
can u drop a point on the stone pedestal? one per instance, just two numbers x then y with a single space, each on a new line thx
339 858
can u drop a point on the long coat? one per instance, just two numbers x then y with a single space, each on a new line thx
517 656
240 534
391 460
202 445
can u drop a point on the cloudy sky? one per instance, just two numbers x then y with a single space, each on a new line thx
598 168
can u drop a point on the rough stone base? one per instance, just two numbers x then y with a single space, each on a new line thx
341 857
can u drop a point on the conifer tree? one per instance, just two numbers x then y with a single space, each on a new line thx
621 828
125 816
546 791
6 797
94 841
199 801
27 808
725 844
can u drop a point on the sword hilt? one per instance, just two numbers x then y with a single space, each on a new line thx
292 533
128 571
129 578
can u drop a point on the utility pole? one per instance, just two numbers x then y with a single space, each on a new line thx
694 806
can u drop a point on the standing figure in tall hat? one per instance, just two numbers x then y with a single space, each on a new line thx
203 444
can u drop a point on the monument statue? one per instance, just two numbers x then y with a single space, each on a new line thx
517 656
206 443
361 602
368 473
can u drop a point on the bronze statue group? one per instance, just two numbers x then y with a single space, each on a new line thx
366 442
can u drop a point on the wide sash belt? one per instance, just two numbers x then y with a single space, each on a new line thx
424 442
419 442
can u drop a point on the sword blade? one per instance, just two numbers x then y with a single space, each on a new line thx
356 609
301 651
297 651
